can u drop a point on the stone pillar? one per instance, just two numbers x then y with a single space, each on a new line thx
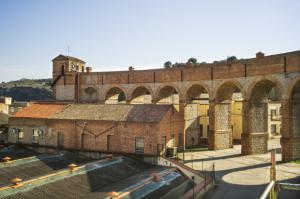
181 106
255 127
245 136
191 116
220 133
290 130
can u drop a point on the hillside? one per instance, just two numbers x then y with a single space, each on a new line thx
27 89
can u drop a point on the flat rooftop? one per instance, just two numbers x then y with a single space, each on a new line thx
46 176
34 166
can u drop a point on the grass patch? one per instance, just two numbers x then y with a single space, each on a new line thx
296 161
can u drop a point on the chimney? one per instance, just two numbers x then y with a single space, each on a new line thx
260 55
88 69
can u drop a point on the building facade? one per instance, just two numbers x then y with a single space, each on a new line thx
253 78
139 129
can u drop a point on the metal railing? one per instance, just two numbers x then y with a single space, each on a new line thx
269 191
274 187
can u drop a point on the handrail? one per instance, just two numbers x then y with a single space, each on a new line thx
289 186
267 190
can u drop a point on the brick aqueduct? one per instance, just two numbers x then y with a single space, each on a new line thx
258 80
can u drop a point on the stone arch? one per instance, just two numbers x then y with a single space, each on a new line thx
290 129
226 89
226 109
252 85
295 111
168 94
141 95
260 94
115 95
195 90
265 90
196 114
292 87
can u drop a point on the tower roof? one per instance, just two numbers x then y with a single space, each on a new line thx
66 57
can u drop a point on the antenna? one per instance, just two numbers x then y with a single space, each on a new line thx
68 50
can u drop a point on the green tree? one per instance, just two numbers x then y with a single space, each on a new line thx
232 58
192 60
168 64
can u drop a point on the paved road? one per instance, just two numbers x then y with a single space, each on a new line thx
244 176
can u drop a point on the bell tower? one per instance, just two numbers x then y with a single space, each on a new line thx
63 64
65 73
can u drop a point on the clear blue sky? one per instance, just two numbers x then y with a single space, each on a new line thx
114 34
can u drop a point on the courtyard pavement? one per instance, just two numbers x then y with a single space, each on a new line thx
244 177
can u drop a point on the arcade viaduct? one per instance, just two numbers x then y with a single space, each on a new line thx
257 80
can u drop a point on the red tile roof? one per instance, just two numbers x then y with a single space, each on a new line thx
114 112
101 112
37 110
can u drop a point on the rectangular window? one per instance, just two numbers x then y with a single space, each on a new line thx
273 112
41 134
273 129
35 136
13 130
274 115
20 135
139 145
172 140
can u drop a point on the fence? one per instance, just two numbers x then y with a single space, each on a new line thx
274 187
202 180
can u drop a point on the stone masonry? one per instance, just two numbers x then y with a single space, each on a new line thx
252 77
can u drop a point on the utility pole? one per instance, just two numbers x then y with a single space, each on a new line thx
273 194
273 164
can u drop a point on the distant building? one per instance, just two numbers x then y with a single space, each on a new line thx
274 118
5 102
17 106
143 129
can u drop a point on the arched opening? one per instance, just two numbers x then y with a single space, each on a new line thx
115 96
295 99
141 95
228 125
168 95
264 116
196 116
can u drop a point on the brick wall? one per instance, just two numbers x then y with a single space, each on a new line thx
96 135
289 62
